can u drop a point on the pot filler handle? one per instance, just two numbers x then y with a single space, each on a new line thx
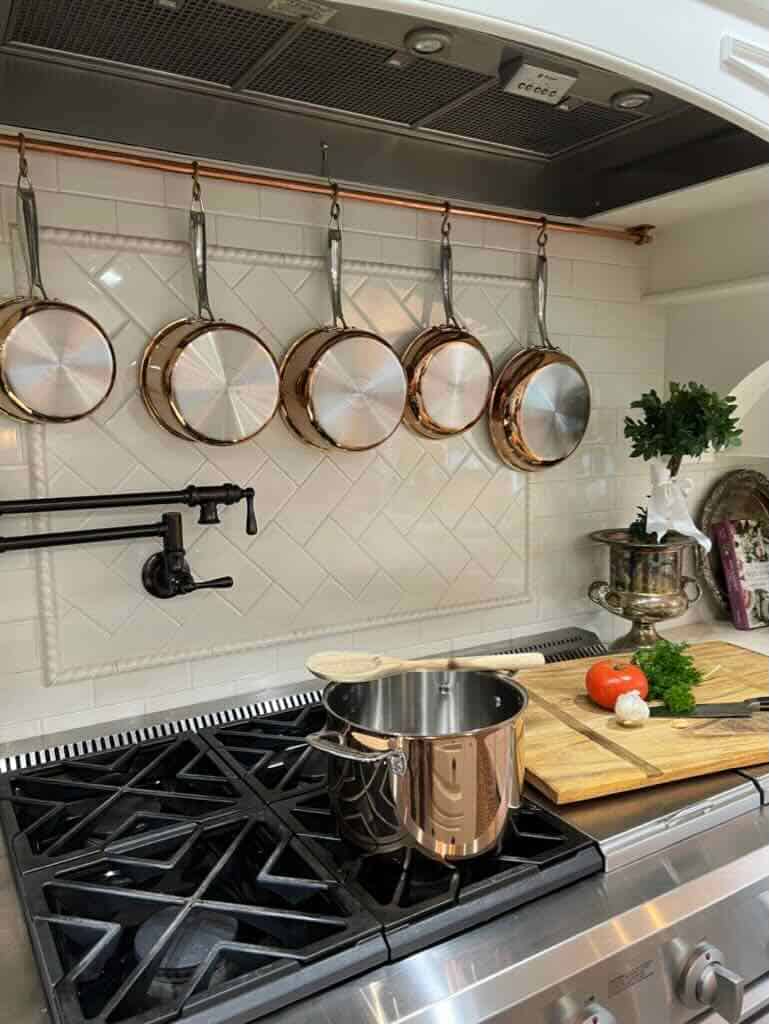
330 742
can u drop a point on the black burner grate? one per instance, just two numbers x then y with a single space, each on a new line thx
76 807
175 923
269 752
421 901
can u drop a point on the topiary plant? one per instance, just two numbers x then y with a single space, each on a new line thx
690 421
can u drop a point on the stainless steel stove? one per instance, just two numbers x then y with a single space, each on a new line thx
193 871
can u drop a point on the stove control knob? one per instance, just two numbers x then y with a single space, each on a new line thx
569 1011
706 982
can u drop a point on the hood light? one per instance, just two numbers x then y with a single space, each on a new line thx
427 41
631 99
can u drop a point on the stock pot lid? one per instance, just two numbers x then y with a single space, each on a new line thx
357 391
58 362
224 384
428 704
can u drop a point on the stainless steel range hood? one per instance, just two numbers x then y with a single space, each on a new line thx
263 82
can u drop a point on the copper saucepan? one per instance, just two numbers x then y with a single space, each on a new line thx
540 403
204 379
56 361
341 387
449 371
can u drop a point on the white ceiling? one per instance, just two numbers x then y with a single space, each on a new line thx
722 194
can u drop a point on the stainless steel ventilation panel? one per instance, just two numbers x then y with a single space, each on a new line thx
250 82
275 57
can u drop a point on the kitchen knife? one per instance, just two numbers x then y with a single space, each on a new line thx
741 709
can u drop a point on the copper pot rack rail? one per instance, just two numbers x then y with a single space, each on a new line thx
639 235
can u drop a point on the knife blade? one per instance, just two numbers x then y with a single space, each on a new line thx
740 709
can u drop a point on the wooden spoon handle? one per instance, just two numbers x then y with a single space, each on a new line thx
487 663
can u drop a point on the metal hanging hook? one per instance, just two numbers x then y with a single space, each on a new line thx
196 189
446 221
336 209
23 165
542 236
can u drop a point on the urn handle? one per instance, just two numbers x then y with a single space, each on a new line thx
597 593
689 581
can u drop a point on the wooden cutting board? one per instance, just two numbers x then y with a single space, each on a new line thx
576 751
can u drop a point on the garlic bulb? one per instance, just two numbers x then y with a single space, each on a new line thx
631 708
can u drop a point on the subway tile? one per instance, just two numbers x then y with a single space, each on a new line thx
42 169
20 646
93 716
379 220
228 197
258 234
148 682
606 281
286 563
157 222
24 696
294 207
110 181
57 210
345 560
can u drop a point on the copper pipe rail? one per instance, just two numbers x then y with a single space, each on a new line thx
639 235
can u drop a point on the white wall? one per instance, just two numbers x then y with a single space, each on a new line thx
417 546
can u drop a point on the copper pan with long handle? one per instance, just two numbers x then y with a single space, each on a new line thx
448 369
341 387
56 362
540 402
204 379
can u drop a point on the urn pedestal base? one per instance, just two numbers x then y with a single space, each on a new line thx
645 584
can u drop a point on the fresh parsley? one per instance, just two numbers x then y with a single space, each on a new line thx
671 674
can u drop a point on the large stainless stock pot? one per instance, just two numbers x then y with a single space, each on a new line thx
433 759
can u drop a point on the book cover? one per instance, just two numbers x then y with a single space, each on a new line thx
744 548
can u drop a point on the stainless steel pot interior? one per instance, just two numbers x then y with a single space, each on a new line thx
428 704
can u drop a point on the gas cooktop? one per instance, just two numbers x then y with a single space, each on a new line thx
202 876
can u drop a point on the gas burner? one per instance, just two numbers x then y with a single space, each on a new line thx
192 942
175 921
269 752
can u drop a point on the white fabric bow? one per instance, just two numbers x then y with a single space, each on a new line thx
667 506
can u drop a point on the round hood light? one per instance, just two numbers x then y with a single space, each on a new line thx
427 41
631 99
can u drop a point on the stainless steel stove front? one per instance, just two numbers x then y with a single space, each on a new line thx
610 950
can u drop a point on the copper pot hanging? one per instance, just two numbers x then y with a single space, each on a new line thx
449 371
341 387
205 379
56 361
540 403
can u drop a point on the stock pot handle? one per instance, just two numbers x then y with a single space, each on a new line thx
330 742
198 249
447 271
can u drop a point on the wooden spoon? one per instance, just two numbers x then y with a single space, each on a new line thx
357 667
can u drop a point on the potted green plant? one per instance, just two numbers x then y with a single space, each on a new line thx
646 584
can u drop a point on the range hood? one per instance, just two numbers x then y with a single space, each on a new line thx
402 104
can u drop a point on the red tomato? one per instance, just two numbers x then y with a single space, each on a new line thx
607 680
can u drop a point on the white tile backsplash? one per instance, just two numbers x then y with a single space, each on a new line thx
376 550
